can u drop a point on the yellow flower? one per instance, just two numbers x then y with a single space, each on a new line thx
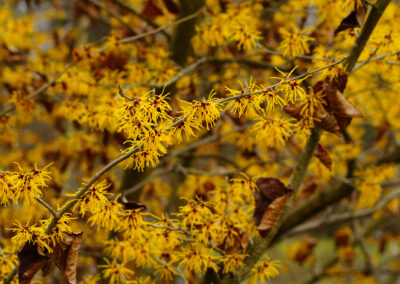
141 159
243 105
94 199
369 184
166 271
61 228
294 42
272 131
272 98
232 262
264 271
292 90
195 212
196 259
108 216
32 234
312 102
133 224
116 272
204 111
246 35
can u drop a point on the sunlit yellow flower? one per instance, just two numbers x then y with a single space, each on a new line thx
272 131
294 42
264 271
116 272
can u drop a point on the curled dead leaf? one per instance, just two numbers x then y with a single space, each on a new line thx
270 201
114 59
341 106
350 22
293 110
151 10
130 205
171 6
327 121
30 261
323 156
65 256
355 19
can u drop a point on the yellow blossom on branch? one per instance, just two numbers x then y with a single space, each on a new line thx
264 271
294 42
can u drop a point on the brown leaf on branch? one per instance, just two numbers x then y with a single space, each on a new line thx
361 12
114 59
327 121
342 109
323 156
269 203
323 118
337 112
65 256
350 22
171 6
340 105
354 20
130 205
294 110
151 10
30 261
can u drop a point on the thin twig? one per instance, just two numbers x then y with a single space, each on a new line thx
47 206
162 28
11 107
113 14
367 257
259 247
169 228
131 10
374 59
280 83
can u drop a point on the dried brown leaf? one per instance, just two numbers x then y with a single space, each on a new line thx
115 60
65 256
309 188
322 154
270 201
171 6
151 10
350 22
130 205
30 261
294 110
361 12
327 121
341 106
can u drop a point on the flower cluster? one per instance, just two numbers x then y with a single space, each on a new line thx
21 186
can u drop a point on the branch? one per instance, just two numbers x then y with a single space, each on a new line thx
259 247
131 10
280 83
343 217
113 14
368 261
369 25
47 206
162 28
11 107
